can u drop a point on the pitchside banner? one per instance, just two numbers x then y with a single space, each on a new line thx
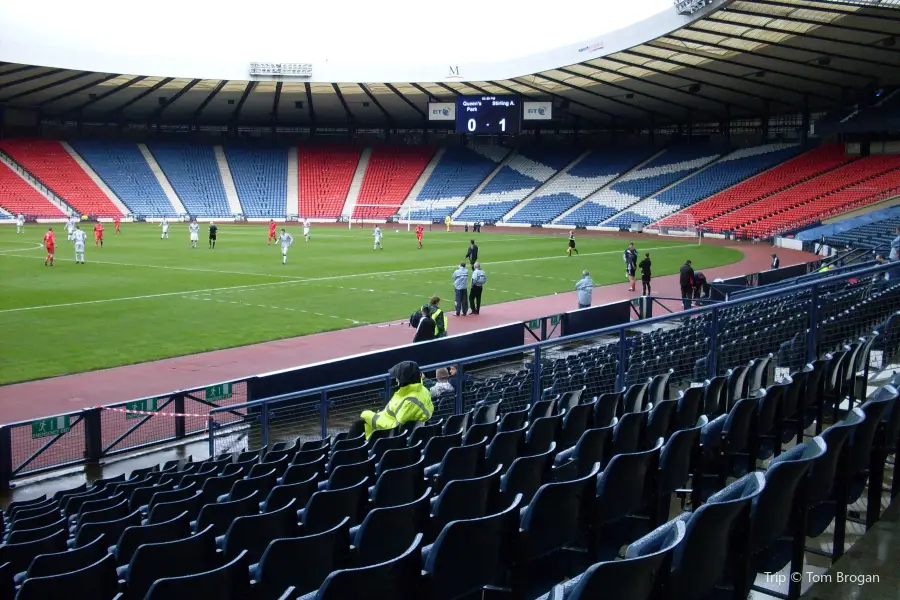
538 111
441 111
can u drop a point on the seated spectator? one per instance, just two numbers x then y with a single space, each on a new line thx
411 402
443 385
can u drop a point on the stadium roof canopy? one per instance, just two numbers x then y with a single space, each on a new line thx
730 59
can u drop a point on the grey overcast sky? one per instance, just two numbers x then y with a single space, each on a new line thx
412 31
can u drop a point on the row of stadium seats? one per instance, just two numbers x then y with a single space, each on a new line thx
50 163
661 171
762 217
260 177
790 173
325 173
390 175
728 171
125 171
458 172
521 176
441 509
870 230
588 175
18 197
194 174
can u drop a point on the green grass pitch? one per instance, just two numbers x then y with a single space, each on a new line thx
141 298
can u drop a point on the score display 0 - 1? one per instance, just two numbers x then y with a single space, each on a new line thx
488 114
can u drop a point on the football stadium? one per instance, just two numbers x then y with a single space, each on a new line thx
602 304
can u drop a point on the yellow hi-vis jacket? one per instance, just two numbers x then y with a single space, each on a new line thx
409 403
434 317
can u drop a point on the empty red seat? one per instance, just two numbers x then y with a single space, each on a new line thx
49 162
325 173
18 197
390 175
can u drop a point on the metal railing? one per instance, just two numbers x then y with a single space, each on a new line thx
796 324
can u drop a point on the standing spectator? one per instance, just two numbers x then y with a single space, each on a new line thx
701 287
686 280
460 287
425 330
472 253
630 257
438 316
775 261
447 222
895 247
479 278
585 288
443 385
645 274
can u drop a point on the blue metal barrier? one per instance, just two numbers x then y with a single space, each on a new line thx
534 358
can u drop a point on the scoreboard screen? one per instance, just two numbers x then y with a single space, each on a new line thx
488 114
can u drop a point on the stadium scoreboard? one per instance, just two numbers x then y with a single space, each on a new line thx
488 114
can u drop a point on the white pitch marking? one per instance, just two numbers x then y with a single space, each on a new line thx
292 281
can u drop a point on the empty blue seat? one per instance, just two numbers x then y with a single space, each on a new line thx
228 582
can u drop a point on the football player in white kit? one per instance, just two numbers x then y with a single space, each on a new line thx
79 236
70 227
377 235
194 228
20 223
306 229
165 229
287 240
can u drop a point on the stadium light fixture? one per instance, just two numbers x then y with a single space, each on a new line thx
689 7
268 69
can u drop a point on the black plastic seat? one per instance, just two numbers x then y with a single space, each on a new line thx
574 423
456 424
282 494
641 575
690 407
278 465
19 536
399 457
252 533
658 388
734 385
319 553
349 475
58 563
526 475
386 532
479 431
20 555
462 462
605 408
398 486
504 448
110 529
390 580
166 511
97 580
381 446
541 409
713 392
219 515
327 508
549 523
592 447
303 471
228 582
175 558
425 432
660 422
678 459
470 554
541 434
634 399
623 490
514 419
464 499
135 536
715 534
438 446
346 457
629 434
215 487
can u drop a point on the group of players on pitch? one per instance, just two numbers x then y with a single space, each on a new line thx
74 234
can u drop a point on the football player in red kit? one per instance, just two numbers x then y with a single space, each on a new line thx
272 236
50 245
419 231
98 235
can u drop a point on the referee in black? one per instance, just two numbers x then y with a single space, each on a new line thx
472 253
212 235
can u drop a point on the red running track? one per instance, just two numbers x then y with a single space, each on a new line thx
70 393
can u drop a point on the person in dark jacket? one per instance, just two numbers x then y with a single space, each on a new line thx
701 287
645 274
472 253
686 280
425 329
775 261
